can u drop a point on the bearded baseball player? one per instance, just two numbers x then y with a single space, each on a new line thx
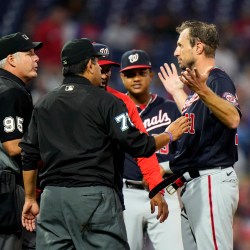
156 113
208 150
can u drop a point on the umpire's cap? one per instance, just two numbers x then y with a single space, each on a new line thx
17 42
77 50
135 59
107 58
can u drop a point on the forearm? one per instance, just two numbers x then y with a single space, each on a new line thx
30 178
161 140
223 110
150 170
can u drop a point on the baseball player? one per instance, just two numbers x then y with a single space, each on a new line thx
106 63
156 113
18 65
208 150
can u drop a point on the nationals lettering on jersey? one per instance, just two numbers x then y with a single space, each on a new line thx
159 120
201 146
157 115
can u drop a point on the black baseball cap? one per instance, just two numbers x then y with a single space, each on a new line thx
77 50
135 59
16 42
107 58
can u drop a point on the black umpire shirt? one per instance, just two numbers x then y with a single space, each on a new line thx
74 130
15 112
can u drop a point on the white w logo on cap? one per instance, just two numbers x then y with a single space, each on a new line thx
133 58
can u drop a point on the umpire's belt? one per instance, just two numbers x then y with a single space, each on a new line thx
134 184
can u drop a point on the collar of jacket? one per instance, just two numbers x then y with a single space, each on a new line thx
6 74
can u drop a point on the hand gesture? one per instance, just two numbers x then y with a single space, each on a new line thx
170 79
178 127
158 200
194 80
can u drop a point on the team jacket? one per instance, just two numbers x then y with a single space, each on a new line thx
16 108
208 143
156 116
74 129
146 165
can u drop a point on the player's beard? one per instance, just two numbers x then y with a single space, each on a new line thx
190 64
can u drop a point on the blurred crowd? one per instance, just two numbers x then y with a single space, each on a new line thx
148 25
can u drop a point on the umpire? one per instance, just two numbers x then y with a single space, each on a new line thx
74 130
18 65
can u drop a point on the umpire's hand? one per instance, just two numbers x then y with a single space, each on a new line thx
29 214
158 200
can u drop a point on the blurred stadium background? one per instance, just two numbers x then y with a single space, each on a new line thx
148 25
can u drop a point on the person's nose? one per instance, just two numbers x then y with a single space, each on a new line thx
36 58
176 52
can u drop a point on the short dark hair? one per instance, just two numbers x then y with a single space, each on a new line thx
77 68
204 32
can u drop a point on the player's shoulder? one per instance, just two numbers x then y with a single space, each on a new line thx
216 73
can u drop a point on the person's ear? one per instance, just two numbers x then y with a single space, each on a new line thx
199 48
11 60
90 66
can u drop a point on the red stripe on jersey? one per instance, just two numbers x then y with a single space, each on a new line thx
211 211
236 139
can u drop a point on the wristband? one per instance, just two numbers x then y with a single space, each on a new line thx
170 136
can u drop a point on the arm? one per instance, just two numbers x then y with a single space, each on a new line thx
30 208
222 109
173 85
30 157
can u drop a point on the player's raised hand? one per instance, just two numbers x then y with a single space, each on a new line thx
172 83
170 78
194 80
159 201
